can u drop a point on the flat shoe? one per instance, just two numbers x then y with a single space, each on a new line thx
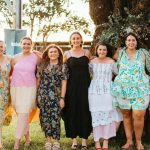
56 146
74 146
48 146
140 147
28 143
98 148
84 148
127 147
104 148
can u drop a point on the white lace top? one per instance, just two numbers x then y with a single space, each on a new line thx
101 77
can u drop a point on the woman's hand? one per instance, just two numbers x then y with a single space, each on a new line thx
39 54
1 84
61 103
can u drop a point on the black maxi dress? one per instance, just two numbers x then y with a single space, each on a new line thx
77 117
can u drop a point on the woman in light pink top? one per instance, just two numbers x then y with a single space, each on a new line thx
23 88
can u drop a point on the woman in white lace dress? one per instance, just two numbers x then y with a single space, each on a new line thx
104 115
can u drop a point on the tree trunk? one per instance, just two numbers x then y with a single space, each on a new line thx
101 9
99 12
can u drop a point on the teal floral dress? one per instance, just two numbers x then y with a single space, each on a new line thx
48 97
4 90
131 86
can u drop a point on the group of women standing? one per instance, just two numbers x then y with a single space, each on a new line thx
78 87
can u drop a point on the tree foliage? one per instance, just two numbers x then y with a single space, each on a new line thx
117 27
43 17
5 10
117 18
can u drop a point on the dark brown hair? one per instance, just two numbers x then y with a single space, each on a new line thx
108 47
135 36
76 32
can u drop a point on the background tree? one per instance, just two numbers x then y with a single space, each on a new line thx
44 17
113 18
8 15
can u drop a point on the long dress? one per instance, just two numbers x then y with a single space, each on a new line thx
104 115
23 84
4 91
48 97
77 117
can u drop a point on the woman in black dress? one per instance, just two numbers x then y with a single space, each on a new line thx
77 117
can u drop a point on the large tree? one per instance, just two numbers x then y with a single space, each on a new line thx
113 14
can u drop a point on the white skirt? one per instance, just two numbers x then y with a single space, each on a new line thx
100 102
23 99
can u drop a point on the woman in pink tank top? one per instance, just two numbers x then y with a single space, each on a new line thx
23 88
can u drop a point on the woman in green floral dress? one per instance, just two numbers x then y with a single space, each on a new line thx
131 88
4 84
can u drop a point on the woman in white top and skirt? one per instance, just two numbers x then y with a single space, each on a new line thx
104 115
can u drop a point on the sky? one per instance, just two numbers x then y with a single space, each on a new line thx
77 7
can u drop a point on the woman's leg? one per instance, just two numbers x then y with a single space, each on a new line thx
1 125
27 135
97 144
138 123
128 126
84 142
105 143
22 125
96 137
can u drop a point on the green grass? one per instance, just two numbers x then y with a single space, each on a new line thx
38 139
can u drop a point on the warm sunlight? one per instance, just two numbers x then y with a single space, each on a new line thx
77 7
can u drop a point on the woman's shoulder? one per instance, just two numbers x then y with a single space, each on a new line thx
67 53
66 56
110 60
17 56
87 53
144 53
8 57
94 60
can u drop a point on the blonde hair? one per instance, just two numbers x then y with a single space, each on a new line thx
26 38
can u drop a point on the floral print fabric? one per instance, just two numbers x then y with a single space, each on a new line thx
48 98
132 83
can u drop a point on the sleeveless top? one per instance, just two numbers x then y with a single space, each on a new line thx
76 112
24 72
132 81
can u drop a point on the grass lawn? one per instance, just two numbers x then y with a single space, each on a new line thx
38 139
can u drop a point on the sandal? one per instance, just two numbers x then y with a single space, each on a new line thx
98 148
27 143
48 146
84 148
74 146
127 146
56 146
140 147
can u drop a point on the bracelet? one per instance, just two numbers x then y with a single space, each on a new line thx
62 97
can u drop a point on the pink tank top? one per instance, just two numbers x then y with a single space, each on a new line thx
24 72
